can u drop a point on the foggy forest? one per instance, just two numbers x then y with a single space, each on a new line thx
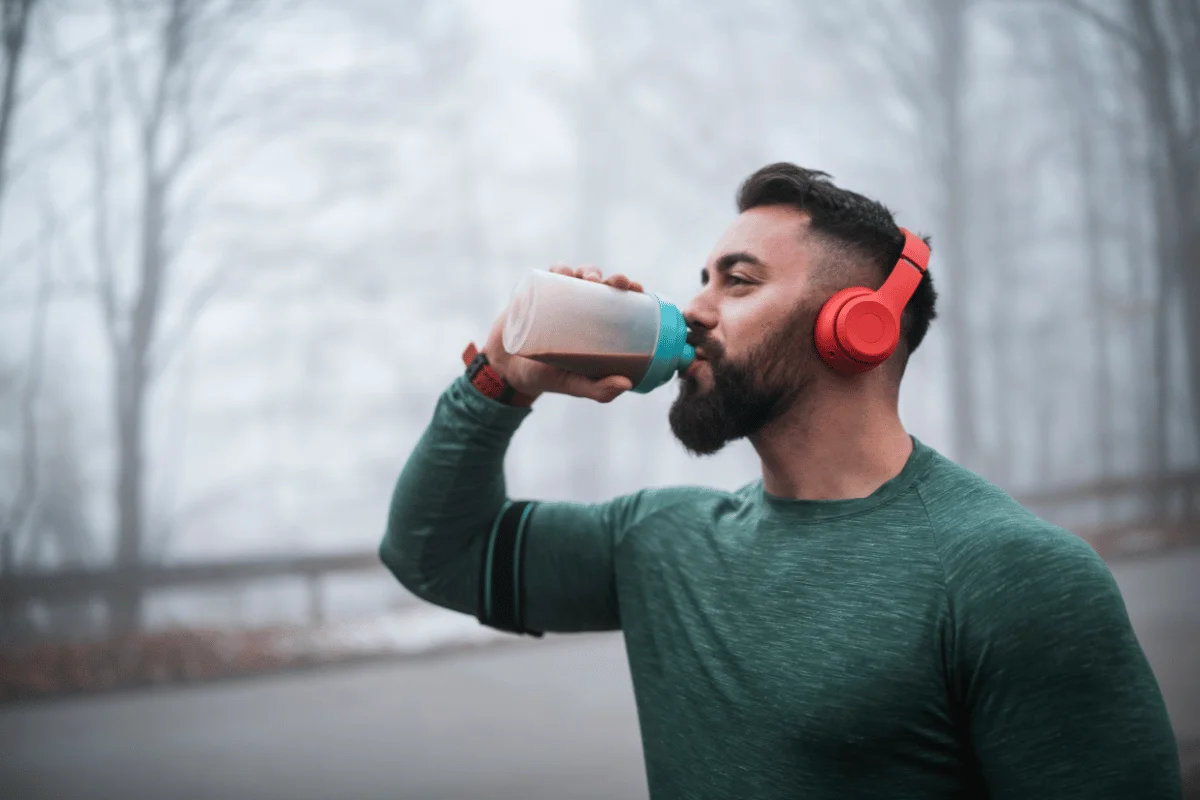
243 245
237 265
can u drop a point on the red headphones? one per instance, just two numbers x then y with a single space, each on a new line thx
858 328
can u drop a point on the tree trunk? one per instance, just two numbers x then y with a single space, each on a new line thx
132 389
591 423
949 43
996 208
1173 178
1191 285
15 24
125 607
1079 91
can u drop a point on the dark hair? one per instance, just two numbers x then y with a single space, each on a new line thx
856 230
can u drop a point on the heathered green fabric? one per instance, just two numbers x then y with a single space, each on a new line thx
933 640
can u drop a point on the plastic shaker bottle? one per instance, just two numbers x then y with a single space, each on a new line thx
596 330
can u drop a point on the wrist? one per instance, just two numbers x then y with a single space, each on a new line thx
502 363
490 381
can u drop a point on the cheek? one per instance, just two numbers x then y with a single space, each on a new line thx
748 324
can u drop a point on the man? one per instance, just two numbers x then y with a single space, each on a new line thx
866 620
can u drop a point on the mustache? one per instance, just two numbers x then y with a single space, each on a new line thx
711 348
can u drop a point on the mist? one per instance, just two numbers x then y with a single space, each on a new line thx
243 246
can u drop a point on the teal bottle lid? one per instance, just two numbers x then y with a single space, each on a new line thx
672 353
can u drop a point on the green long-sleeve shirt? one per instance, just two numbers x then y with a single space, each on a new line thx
933 640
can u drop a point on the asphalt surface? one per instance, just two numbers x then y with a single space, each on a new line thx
529 720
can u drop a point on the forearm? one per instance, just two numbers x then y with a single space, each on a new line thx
447 498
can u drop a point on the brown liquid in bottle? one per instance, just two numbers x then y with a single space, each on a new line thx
599 365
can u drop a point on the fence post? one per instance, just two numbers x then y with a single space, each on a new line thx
316 605
8 605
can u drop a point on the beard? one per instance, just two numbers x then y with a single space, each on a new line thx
746 394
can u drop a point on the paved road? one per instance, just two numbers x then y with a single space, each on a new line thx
539 719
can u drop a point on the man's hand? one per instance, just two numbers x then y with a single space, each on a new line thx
533 377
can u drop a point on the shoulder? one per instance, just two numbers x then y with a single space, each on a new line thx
673 506
702 500
995 551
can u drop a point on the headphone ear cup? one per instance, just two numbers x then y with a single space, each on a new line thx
828 345
856 331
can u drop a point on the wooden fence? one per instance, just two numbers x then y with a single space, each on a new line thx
72 585
1159 512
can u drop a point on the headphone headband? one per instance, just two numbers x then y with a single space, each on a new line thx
898 289
915 252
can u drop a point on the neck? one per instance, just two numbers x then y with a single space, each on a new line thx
839 442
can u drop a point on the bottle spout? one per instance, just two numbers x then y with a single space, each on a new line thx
686 357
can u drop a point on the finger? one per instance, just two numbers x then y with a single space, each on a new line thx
570 272
602 390
619 281
590 273
612 387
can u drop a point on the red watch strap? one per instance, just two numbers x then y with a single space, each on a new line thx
489 382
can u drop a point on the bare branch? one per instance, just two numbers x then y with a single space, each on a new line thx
60 63
173 42
48 145
184 116
28 249
1110 26
882 59
169 343
125 61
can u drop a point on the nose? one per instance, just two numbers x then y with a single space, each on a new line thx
700 313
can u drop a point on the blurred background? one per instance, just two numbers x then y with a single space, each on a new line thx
243 244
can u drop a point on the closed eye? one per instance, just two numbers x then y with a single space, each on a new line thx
734 280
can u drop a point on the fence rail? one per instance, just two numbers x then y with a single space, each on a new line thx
1179 527
1182 482
72 585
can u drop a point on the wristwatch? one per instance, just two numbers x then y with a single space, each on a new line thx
490 383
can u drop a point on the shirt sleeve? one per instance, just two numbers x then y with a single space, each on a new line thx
1057 695
456 539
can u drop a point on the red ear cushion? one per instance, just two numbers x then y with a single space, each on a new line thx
855 331
828 346
867 330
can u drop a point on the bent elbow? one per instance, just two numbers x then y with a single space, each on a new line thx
443 578
403 565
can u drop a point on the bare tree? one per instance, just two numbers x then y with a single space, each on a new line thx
596 170
1078 89
929 76
1166 40
947 21
14 518
164 95
630 144
1160 40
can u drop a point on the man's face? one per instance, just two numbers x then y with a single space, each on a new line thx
752 325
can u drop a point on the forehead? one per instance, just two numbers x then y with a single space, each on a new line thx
776 235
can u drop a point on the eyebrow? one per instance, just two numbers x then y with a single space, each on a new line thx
728 262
